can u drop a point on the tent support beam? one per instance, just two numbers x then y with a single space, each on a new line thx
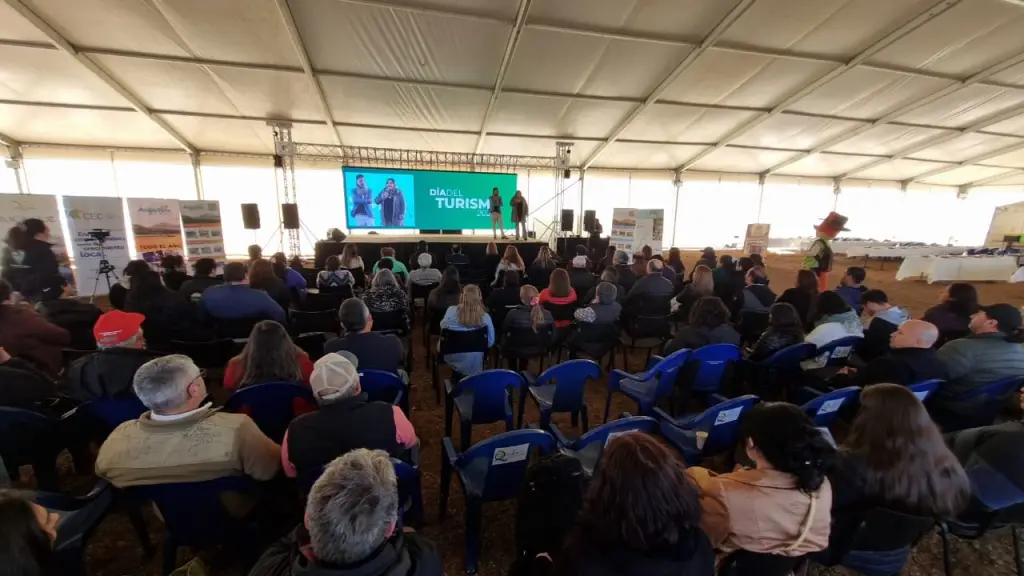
506 60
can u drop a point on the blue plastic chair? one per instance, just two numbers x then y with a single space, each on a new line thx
113 412
839 351
782 365
824 408
490 471
28 437
482 398
272 405
560 389
382 386
194 515
985 401
79 516
720 423
650 387
589 447
712 362
925 389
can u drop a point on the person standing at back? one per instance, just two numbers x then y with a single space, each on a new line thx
495 211
30 263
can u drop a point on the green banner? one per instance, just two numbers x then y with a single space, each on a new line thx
388 198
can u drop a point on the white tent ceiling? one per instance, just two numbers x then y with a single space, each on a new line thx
914 90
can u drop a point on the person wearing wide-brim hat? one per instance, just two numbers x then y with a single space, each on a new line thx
819 256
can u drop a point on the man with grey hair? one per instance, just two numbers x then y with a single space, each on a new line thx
424 274
373 350
108 372
603 308
650 285
350 527
347 420
182 438
627 277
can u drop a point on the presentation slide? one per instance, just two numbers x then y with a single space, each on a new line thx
387 198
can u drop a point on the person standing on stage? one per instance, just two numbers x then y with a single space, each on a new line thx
392 204
496 223
30 264
520 210
362 203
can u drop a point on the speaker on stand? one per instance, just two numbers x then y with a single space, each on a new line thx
588 220
290 216
567 219
251 218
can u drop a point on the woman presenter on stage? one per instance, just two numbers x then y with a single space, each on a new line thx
519 212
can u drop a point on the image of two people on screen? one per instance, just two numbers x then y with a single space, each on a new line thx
390 200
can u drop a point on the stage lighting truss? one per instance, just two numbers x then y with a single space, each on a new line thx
420 159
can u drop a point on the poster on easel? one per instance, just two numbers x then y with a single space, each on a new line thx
98 239
203 232
634 228
756 240
16 208
156 226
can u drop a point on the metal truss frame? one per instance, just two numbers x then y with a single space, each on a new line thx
420 159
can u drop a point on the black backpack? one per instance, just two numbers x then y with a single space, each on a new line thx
552 495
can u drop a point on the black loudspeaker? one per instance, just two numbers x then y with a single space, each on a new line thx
251 216
567 217
290 216
588 220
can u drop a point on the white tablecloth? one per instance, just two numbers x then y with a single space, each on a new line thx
904 252
959 268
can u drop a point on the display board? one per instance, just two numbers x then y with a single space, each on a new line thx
89 219
16 208
156 226
634 228
203 233
756 240
388 198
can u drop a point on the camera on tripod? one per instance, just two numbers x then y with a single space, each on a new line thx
100 235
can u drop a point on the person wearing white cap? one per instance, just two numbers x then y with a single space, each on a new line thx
347 420
579 276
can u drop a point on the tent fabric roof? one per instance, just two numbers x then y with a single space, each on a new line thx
919 90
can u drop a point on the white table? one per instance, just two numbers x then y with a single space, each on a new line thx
904 252
959 268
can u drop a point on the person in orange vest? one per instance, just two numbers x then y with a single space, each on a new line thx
819 256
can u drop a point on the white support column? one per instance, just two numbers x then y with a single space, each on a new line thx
677 183
837 189
197 175
761 179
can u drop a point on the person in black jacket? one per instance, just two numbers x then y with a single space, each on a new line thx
119 291
30 264
709 324
785 329
756 295
952 316
194 287
885 318
168 316
803 297
110 371
912 359
174 271
25 386
627 277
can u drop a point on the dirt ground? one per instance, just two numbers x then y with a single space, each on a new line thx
114 550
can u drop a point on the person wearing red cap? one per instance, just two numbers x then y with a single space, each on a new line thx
819 256
108 372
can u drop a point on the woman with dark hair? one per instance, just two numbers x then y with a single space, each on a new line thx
783 504
262 277
204 278
169 316
958 302
803 297
505 295
119 291
27 335
269 356
293 280
27 533
785 329
448 292
174 274
675 262
30 264
894 457
640 515
708 324
559 291
295 264
333 276
833 319
491 260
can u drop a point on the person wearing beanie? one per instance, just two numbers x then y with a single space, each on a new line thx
121 351
580 278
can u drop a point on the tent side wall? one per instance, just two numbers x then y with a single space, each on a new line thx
1006 221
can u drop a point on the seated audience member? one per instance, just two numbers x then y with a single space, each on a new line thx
701 284
851 288
296 262
373 350
262 277
167 444
119 291
952 316
559 292
785 329
121 351
540 269
725 278
833 319
469 314
783 504
758 260
675 262
292 279
333 277
756 295
174 274
269 355
204 278
350 257
447 294
640 511
611 276
602 308
509 261
803 297
911 359
528 313
388 265
992 352
882 320
425 274
74 315
28 532
894 458
456 257
651 285
639 266
168 315
609 259
26 335
626 275
346 420
388 253
385 295
27 387
580 278
351 527
255 253
414 259
491 260
235 300
708 324
505 295
666 272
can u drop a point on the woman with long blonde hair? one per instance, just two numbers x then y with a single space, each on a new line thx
540 269
509 261
491 259
468 315
703 284
529 314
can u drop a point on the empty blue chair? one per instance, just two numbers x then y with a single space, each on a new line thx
28 437
589 447
79 516
985 403
272 405
925 389
560 389
839 351
713 363
113 412
490 471
381 386
824 408
717 426
773 374
482 398
650 387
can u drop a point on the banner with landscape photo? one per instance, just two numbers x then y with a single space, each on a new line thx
203 233
156 225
